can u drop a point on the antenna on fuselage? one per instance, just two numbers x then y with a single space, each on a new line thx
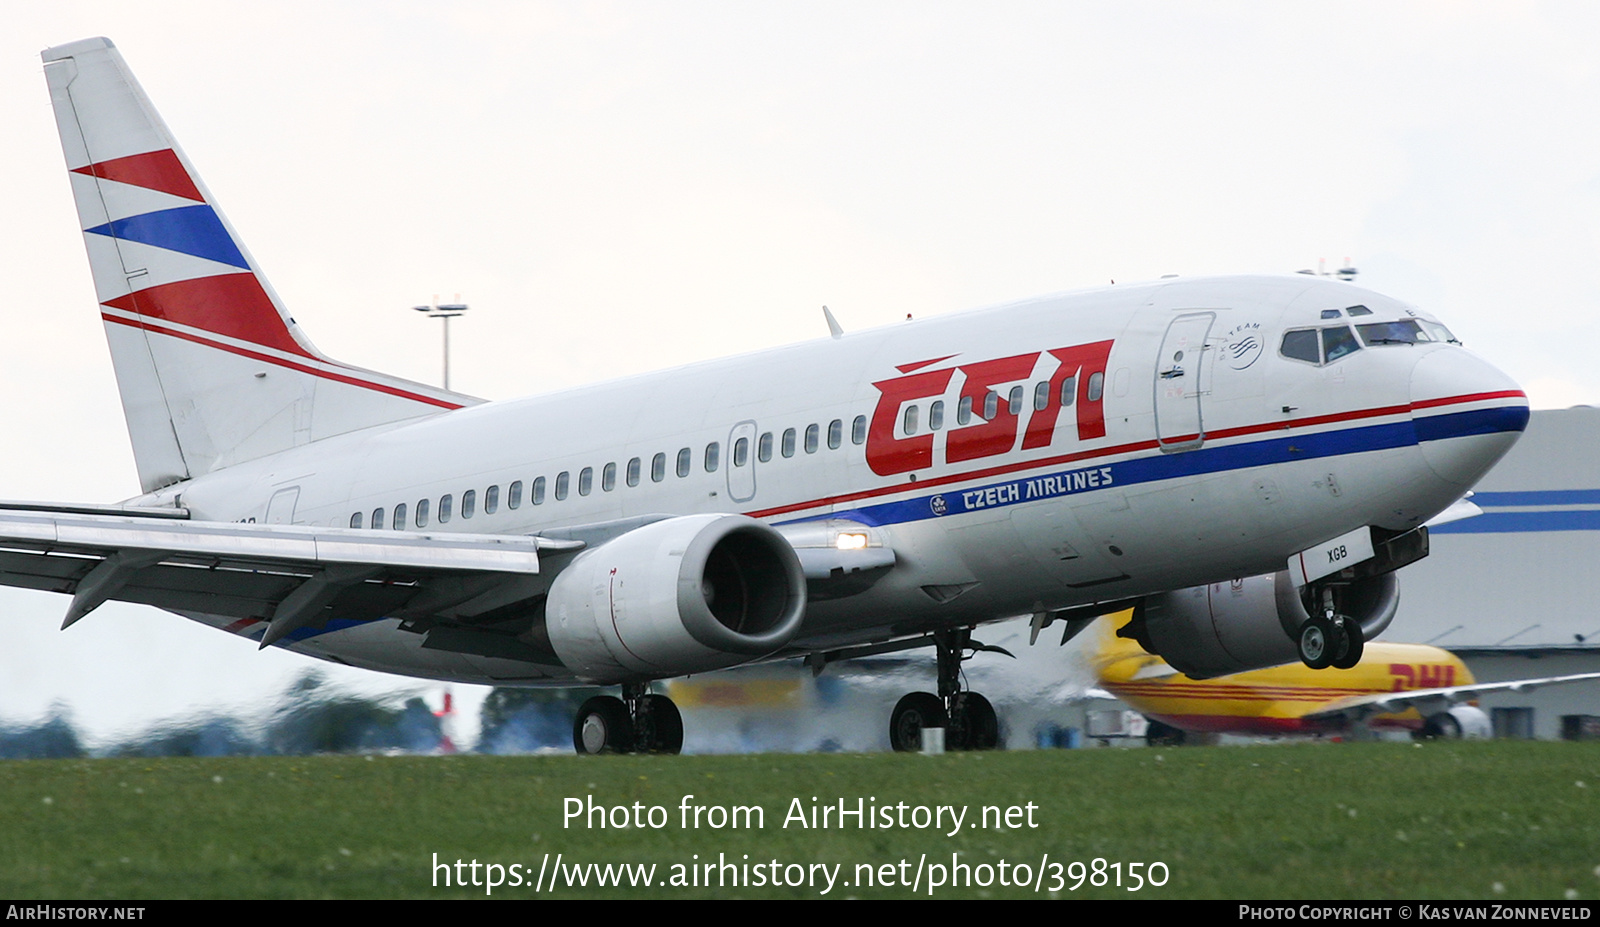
833 324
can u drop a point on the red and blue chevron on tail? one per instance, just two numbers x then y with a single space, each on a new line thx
212 370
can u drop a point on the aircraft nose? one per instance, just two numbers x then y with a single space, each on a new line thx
1466 412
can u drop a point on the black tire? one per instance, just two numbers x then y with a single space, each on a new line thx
1354 643
666 735
1317 642
975 726
602 725
913 713
1442 726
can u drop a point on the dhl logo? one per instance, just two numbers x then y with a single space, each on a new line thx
1422 676
987 423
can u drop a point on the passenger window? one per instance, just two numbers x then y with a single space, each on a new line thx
444 508
741 452
608 477
633 472
1041 395
514 495
400 517
835 434
858 430
1097 386
1337 342
585 480
563 483
764 447
991 406
491 499
713 453
936 415
1069 390
469 503
964 410
377 518
788 442
658 468
909 423
355 520
1014 401
422 513
812 434
536 493
1301 345
685 458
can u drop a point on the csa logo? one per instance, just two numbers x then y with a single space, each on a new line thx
1243 345
937 504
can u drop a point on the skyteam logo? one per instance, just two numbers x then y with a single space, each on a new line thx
1243 345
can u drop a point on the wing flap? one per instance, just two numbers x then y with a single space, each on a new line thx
293 576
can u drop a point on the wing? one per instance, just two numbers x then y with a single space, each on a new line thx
290 576
1429 700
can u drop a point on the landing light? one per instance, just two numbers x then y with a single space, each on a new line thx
851 542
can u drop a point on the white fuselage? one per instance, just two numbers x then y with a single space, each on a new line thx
1191 450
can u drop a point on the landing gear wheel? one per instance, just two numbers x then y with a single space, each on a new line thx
1317 642
913 713
602 725
1354 643
666 726
975 726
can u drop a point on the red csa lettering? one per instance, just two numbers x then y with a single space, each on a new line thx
985 439
1083 362
888 454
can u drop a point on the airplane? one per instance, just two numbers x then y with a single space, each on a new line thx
858 494
1410 687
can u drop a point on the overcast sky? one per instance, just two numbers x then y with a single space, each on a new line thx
615 187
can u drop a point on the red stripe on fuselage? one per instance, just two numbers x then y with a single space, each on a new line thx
987 472
153 170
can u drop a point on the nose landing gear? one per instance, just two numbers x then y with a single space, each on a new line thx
1329 638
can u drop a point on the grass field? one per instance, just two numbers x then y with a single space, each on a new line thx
1308 821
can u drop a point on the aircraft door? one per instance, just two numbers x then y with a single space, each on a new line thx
741 466
280 508
1181 376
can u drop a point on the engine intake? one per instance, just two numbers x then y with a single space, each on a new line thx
683 595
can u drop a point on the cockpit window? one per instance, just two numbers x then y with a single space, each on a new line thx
1358 310
1337 342
1302 345
1404 331
1330 313
1319 346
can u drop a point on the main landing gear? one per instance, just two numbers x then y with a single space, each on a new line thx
1329 638
639 722
967 717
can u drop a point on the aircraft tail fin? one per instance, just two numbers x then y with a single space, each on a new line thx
212 370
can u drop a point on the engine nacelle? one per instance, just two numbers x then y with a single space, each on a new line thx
1462 722
1251 623
683 595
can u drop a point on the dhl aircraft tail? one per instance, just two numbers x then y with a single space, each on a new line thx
212 370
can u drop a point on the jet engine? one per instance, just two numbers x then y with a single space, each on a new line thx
683 595
1246 624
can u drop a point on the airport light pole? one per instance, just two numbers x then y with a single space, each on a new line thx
446 312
